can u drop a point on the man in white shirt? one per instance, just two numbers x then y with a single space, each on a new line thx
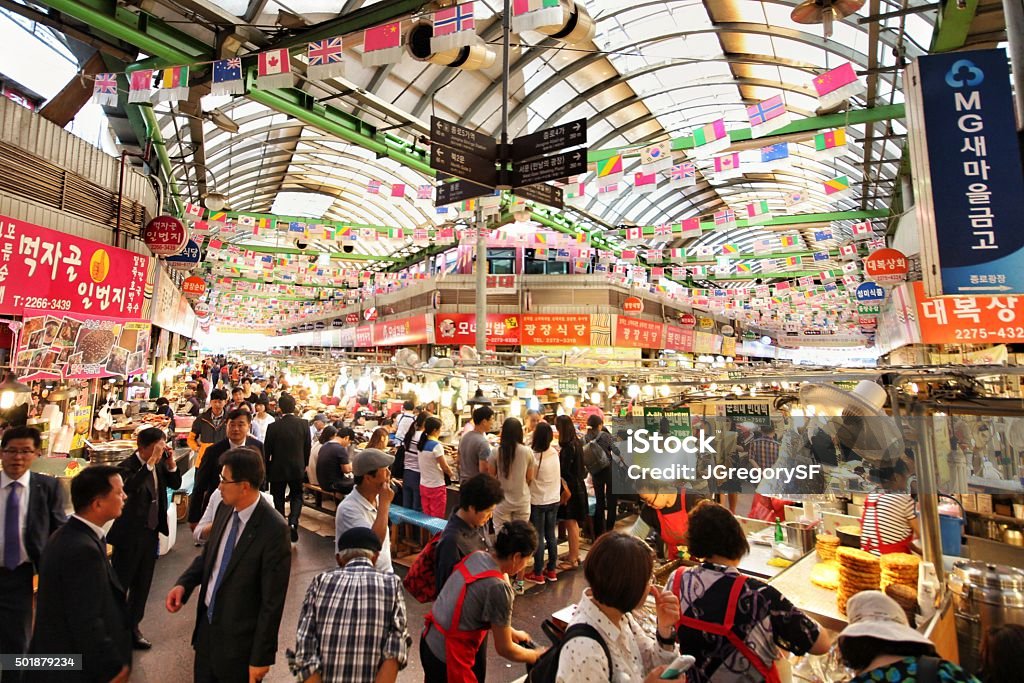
404 422
370 501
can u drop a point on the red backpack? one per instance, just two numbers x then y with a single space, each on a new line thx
421 580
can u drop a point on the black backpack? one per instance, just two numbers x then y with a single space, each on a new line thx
545 669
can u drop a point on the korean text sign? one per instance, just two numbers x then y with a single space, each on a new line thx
967 173
634 332
456 329
969 319
556 330
50 270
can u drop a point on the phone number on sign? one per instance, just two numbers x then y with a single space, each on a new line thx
982 334
41 302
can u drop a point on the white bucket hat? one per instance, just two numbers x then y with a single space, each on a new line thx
874 614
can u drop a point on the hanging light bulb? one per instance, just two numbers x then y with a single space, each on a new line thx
533 403
515 407
648 390
664 391
633 391
595 398
570 402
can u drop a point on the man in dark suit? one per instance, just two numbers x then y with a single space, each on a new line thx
287 451
81 606
31 508
135 535
206 478
243 576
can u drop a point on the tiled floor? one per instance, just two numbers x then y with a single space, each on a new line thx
170 660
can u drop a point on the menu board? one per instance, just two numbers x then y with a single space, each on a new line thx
81 347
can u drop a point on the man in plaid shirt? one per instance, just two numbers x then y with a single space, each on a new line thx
353 625
764 450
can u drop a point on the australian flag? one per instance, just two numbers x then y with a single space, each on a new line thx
775 152
227 77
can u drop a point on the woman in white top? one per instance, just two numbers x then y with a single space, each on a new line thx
433 468
261 420
512 464
545 490
411 471
618 569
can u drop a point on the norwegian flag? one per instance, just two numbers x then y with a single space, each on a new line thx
725 219
326 59
683 175
104 90
373 187
767 116
454 27
862 230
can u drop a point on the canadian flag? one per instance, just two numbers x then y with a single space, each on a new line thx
274 69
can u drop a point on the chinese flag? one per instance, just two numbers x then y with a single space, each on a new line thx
382 37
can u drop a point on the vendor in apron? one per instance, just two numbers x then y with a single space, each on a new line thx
477 598
888 522
734 625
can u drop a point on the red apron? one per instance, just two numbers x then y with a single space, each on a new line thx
725 629
871 544
460 647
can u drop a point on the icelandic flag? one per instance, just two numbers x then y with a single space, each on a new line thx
767 116
326 59
227 77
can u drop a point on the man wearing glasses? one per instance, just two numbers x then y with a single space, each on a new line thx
242 574
31 508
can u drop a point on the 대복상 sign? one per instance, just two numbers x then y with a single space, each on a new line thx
969 319
80 346
49 270
967 173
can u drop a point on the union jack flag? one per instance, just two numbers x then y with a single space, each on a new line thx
104 91
663 230
425 192
683 174
327 51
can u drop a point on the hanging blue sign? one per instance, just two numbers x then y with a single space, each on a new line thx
869 291
187 259
967 173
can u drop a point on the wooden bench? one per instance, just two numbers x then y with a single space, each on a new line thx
318 496
401 516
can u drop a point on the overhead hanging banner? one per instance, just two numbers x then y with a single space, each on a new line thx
75 346
967 173
50 270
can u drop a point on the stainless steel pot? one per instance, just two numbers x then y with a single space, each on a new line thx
111 452
984 595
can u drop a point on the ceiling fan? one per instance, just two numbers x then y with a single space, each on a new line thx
824 12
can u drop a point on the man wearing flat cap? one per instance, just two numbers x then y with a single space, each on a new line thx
370 501
352 627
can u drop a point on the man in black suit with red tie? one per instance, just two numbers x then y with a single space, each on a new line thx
81 607
242 575
135 534
31 509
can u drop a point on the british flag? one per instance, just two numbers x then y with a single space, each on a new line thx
325 58
683 174
663 230
425 192
104 90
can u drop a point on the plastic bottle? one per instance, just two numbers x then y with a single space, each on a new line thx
779 536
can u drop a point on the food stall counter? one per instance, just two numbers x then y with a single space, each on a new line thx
794 583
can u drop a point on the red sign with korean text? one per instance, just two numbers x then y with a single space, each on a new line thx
401 332
555 329
50 270
638 334
633 304
886 265
352 318
501 283
193 287
456 329
678 338
969 319
165 236
688 320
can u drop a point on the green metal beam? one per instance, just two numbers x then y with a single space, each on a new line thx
953 24
154 135
359 20
807 125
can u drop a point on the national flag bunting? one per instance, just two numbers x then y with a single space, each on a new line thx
227 77
767 116
848 251
528 15
777 152
656 157
608 188
836 85
274 69
326 59
373 187
382 44
609 170
140 85
690 227
786 241
729 249
821 256
398 190
425 192
645 183
830 144
454 27
725 219
758 212
765 246
173 84
193 212
837 186
710 138
795 198
683 175
634 234
104 90
663 230
823 235
727 166
862 230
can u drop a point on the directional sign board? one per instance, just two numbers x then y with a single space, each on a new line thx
550 140
545 194
462 139
463 165
549 168
449 193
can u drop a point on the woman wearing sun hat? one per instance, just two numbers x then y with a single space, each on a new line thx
881 647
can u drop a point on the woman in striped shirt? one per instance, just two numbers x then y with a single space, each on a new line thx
888 523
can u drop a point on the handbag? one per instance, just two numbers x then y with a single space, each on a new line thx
566 494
